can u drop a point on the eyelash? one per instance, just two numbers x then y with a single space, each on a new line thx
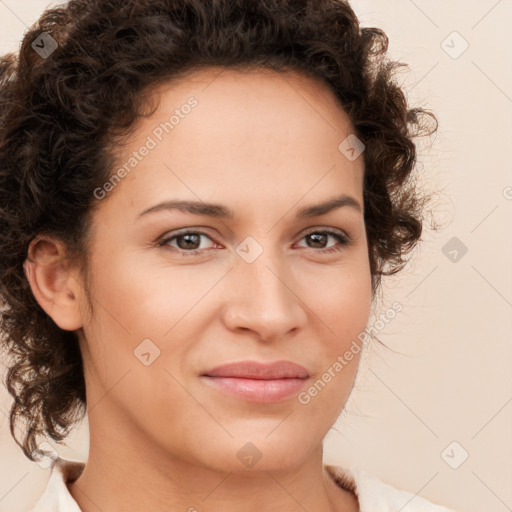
343 240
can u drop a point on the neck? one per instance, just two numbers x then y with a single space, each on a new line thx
122 473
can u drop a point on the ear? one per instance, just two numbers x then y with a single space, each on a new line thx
55 285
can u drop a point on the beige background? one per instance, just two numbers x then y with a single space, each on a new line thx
450 379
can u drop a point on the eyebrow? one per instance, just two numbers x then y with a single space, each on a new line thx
223 212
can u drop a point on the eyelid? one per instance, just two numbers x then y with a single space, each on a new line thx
171 235
204 231
316 229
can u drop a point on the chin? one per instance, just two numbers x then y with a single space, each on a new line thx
256 453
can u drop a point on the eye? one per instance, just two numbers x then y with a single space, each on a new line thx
320 237
188 243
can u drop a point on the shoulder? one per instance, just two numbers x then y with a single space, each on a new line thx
373 494
56 497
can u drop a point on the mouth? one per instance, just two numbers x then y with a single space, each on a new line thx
258 382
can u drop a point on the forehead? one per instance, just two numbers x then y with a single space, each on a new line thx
217 131
292 92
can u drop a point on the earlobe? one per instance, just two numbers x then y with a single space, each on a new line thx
53 283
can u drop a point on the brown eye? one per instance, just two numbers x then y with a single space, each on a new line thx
319 240
187 242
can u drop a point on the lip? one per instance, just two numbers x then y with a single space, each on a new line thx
257 370
258 382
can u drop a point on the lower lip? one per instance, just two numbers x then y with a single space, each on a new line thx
258 390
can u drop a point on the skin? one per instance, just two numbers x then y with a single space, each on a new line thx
263 144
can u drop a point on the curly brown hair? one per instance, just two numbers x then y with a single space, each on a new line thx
62 113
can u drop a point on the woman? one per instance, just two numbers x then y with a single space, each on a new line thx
199 200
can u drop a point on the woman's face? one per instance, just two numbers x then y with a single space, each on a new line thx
266 284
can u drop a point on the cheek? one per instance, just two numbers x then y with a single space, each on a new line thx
340 298
140 308
339 295
329 390
139 299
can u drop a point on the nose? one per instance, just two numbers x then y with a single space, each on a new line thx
265 299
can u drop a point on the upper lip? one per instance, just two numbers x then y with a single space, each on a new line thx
257 370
